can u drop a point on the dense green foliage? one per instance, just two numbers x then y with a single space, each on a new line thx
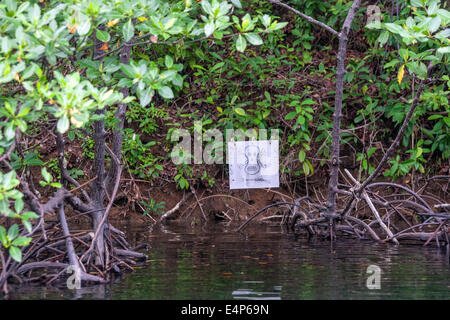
50 72
230 65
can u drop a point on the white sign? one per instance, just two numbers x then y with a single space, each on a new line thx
253 164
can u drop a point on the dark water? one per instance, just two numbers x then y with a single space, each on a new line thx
265 263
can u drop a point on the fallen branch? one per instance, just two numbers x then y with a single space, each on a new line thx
264 209
365 226
172 211
42 264
421 236
372 207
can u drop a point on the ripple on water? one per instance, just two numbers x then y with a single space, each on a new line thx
266 263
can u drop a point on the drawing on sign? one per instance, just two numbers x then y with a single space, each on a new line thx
253 164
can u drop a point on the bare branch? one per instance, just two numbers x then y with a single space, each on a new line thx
306 17
397 139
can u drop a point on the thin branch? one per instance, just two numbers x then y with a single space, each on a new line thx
397 139
365 226
106 213
264 209
395 185
7 155
62 165
306 17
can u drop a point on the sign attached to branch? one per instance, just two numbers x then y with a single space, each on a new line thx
253 164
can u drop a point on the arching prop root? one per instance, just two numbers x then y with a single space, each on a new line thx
402 215
68 253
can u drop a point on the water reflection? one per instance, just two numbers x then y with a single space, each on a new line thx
264 263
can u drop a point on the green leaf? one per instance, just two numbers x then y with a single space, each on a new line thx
102 35
4 206
169 23
291 115
29 215
241 44
14 194
10 131
394 28
11 5
266 19
306 168
254 39
432 8
302 155
56 185
128 99
63 124
217 66
419 152
373 25
27 225
246 22
383 38
13 232
3 235
23 112
422 70
434 24
444 50
206 6
169 61
10 181
218 35
128 30
444 15
146 96
435 116
15 253
46 175
128 70
237 3
21 241
84 27
392 63
308 101
35 13
209 28
18 205
166 92
301 120
239 111
31 159
277 25
371 151
167 74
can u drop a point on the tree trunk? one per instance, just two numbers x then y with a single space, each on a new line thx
117 138
337 115
97 186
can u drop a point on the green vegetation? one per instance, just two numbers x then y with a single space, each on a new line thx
91 90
